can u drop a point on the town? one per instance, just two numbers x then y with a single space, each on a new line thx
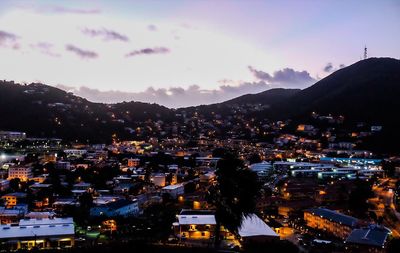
313 190
182 126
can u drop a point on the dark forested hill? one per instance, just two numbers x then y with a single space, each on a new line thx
367 91
45 111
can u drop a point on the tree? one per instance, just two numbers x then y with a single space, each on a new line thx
254 158
358 198
234 195
15 184
393 246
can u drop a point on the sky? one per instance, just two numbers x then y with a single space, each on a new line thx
181 53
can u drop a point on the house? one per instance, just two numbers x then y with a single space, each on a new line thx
195 225
330 221
174 190
121 207
368 239
40 233
254 229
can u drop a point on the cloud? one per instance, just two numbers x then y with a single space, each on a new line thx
328 68
62 9
8 40
81 52
174 96
152 28
45 48
286 77
149 51
105 34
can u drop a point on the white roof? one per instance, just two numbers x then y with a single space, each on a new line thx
46 221
252 225
199 219
172 187
38 227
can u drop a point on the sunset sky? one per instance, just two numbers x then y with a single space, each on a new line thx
180 53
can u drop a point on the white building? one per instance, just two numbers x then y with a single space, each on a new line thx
255 229
23 173
174 190
158 179
41 233
75 152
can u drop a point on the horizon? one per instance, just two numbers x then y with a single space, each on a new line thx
183 53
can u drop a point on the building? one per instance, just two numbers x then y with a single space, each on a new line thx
4 184
12 199
75 152
254 229
40 233
195 225
11 215
133 162
121 207
174 190
158 180
23 173
12 136
207 177
369 239
330 221
62 165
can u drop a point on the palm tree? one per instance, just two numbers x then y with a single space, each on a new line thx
234 195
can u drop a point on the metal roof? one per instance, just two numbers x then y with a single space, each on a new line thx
334 216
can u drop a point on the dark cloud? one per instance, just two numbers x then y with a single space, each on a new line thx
261 75
149 51
105 34
328 68
286 77
172 97
81 52
8 40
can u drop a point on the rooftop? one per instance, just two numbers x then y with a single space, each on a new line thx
334 216
252 225
172 187
372 236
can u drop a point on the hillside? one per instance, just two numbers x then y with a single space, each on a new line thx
45 111
366 91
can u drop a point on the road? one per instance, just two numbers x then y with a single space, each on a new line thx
385 206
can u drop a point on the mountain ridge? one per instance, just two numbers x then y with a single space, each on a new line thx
367 90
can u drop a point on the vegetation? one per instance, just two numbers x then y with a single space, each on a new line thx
235 194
